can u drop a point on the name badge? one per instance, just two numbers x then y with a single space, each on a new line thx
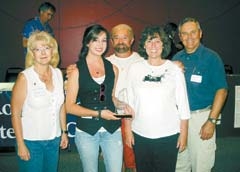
38 92
196 78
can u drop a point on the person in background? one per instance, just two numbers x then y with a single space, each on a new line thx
37 107
122 38
158 96
39 23
93 83
171 30
207 92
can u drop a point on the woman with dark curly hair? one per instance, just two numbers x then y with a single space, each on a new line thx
157 94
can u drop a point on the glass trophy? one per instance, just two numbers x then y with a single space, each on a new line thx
123 102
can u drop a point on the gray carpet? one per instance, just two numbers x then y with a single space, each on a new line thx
227 158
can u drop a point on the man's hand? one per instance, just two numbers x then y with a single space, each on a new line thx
70 68
207 130
69 71
179 64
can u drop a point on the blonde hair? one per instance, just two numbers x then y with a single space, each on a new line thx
48 41
122 27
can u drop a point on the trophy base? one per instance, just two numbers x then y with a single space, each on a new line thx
124 116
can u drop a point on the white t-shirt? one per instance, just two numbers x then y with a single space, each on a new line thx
123 65
41 108
159 98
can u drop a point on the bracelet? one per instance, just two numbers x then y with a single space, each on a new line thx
99 114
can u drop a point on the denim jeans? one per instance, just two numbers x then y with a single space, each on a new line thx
44 156
88 149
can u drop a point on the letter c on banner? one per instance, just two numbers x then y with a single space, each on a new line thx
71 129
6 110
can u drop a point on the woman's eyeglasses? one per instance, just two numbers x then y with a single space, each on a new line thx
102 93
41 49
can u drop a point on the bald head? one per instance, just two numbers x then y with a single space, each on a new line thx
122 39
122 27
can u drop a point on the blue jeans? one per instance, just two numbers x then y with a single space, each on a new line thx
44 156
88 149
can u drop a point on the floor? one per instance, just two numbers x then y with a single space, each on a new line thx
227 158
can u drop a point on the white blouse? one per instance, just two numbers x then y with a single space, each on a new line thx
158 96
41 108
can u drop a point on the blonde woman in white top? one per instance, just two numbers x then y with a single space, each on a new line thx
38 113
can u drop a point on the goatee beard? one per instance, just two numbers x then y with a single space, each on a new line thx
121 49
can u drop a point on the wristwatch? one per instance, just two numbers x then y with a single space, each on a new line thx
213 120
65 131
